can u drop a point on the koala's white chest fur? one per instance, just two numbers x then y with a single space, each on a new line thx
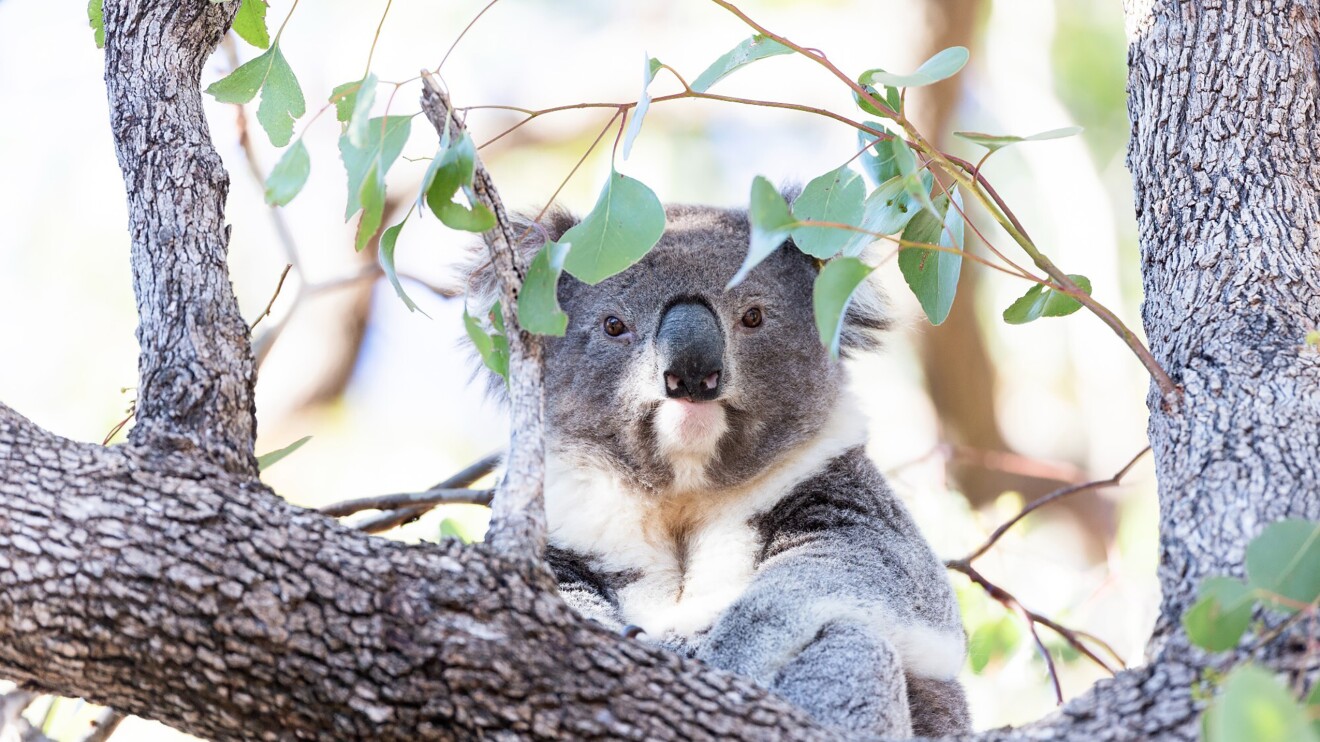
691 555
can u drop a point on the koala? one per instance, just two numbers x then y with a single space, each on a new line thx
706 481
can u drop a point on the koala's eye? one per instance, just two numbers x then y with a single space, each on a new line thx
614 326
752 317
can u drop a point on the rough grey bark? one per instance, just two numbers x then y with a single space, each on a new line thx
195 368
163 579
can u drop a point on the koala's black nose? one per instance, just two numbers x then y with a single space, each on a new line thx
691 347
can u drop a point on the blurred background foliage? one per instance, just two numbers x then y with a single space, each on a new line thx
971 419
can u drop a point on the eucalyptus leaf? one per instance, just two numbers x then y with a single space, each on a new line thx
452 170
250 23
372 198
891 97
1220 615
96 19
941 66
994 142
493 348
359 119
538 302
267 460
388 241
1285 560
651 64
344 96
877 159
621 228
289 175
385 139
933 274
771 221
836 196
1040 301
912 181
746 52
281 98
1253 705
833 291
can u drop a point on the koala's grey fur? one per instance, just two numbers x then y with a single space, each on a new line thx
759 538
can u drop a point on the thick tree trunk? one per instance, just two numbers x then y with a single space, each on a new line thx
162 578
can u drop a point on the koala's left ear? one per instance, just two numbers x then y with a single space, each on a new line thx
479 274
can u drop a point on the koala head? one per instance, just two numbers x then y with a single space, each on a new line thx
679 385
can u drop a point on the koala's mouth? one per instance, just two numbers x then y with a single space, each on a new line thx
688 435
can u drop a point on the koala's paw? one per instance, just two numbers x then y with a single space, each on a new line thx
849 678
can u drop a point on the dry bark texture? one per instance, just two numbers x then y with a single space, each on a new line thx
164 579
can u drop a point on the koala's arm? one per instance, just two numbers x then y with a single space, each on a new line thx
845 581
585 590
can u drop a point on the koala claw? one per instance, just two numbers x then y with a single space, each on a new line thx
631 631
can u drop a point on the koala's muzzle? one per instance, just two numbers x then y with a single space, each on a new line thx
691 348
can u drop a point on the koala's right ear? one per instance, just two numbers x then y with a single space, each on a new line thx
479 274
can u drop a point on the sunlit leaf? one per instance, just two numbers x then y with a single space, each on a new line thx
359 119
891 97
250 23
995 142
538 302
372 198
388 240
830 297
906 162
344 97
1285 560
96 19
1254 706
836 196
771 223
281 98
493 349
877 161
1220 615
746 52
450 528
649 67
1040 301
385 139
622 227
289 175
267 460
452 170
991 640
933 274
943 65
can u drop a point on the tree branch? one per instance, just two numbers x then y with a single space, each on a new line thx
518 510
196 370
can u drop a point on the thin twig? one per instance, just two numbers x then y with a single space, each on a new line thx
283 274
430 498
392 519
463 33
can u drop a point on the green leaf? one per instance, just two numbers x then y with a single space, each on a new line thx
943 65
281 99
267 460
622 227
1285 560
887 210
994 142
907 167
457 216
877 161
345 99
772 222
746 52
493 349
289 175
1253 706
1040 301
933 274
892 97
359 119
836 196
834 289
250 23
388 240
643 104
372 198
385 139
452 169
450 528
538 302
992 639
96 19
1220 615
